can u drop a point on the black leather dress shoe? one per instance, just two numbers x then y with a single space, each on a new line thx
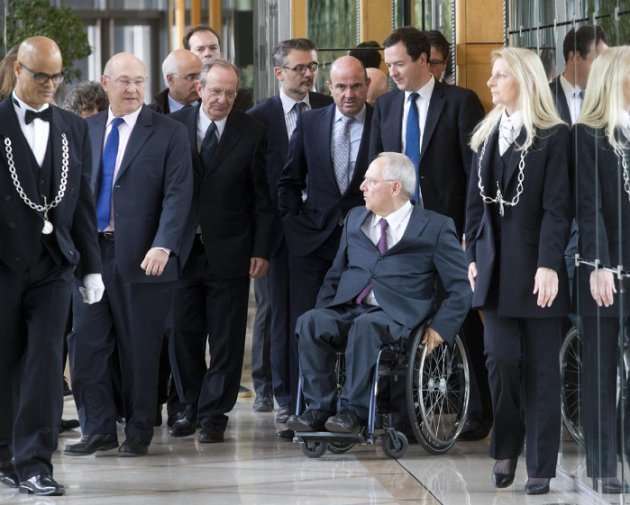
207 436
286 434
42 485
344 422
90 445
311 420
537 485
132 450
503 479
9 478
68 425
183 427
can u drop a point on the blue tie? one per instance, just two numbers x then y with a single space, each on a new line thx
110 152
412 141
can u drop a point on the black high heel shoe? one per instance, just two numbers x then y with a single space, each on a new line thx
503 478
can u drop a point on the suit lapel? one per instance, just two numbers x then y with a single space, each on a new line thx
229 137
57 129
486 172
362 156
139 135
392 125
515 157
10 128
327 131
417 222
97 138
281 124
192 120
433 115
561 100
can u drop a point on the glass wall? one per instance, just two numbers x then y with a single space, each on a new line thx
590 86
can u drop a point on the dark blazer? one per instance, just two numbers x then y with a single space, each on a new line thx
152 192
560 99
269 112
231 201
603 215
404 277
533 234
316 223
160 102
444 155
243 101
74 219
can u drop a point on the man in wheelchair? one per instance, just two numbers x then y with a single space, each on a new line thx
379 288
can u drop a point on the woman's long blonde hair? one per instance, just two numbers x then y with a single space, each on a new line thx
604 97
535 99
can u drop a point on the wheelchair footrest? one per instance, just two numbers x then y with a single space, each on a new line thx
330 436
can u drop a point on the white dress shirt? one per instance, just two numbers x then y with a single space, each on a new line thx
290 117
124 132
174 105
509 129
623 122
422 103
204 123
397 223
356 132
37 132
574 100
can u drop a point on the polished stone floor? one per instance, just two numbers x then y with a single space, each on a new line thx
254 467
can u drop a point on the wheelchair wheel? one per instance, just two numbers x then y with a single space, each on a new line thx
340 447
395 444
570 370
314 448
438 391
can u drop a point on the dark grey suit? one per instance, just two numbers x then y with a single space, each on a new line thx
403 280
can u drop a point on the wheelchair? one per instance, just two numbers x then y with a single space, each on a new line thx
435 400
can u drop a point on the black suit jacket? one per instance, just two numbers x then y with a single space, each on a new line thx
160 102
269 112
243 101
404 277
533 234
444 155
74 220
560 99
231 200
315 225
603 215
152 192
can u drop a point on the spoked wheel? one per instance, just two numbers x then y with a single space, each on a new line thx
438 391
395 444
570 372
340 447
314 448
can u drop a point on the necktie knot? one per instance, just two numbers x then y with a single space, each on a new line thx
299 107
414 96
44 115
117 121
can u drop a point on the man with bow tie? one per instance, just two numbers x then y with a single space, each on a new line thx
47 231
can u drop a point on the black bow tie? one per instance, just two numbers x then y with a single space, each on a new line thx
44 115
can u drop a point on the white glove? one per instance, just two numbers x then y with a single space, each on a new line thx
92 289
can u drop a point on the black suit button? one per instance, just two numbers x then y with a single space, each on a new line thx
117 186
71 253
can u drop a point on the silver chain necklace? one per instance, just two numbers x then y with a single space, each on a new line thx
626 175
498 199
47 229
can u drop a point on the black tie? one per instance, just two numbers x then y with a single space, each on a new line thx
209 145
44 115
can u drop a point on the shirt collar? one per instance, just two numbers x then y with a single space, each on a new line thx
204 122
359 118
569 89
288 102
129 119
512 121
21 107
425 91
174 105
395 219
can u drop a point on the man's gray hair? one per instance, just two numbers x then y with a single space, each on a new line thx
169 66
218 63
398 167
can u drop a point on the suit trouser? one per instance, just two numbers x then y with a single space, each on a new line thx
213 311
283 351
598 385
524 374
306 275
132 318
359 329
261 340
34 306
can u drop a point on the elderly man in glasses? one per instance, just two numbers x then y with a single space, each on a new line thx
180 70
47 231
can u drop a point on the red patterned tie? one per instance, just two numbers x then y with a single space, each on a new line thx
382 248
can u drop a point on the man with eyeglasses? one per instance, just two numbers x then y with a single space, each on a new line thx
142 182
227 243
180 71
440 53
295 67
47 232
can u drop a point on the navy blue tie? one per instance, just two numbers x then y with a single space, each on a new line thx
412 141
110 152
